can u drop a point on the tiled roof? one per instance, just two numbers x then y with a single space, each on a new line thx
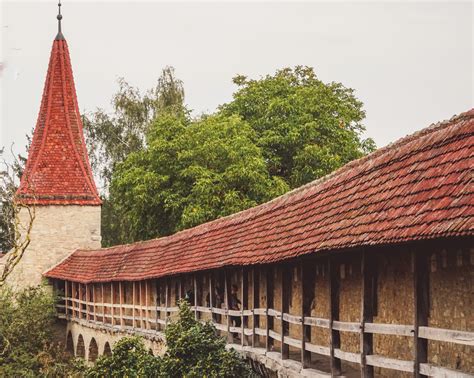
58 170
417 188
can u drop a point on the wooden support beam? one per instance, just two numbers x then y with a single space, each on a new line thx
122 323
104 320
256 304
227 302
286 282
140 301
112 300
147 293
421 306
211 295
167 299
157 304
87 302
66 296
195 289
133 304
94 302
308 283
335 337
368 294
268 305
245 302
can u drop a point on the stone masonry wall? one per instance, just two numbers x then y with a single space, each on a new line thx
57 231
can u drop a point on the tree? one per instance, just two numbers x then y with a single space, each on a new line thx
111 138
305 128
27 347
193 350
190 172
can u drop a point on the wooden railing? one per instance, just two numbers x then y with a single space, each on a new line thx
112 315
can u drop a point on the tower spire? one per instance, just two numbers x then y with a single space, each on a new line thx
60 35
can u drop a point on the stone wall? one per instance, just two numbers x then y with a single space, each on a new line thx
56 232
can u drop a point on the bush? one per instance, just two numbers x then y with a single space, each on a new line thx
27 347
193 350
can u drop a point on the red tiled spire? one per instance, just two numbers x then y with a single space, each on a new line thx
58 170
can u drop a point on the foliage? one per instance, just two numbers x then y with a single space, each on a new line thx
190 172
193 350
111 138
27 347
129 359
305 128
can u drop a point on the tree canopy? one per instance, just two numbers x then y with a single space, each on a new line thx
168 170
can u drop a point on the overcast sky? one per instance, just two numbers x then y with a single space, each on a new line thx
411 63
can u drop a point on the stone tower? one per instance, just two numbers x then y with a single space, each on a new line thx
57 194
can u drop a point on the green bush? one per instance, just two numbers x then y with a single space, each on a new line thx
193 350
27 347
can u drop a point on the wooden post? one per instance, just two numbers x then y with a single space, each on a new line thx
256 304
121 304
334 280
66 295
286 282
245 303
147 293
211 294
368 268
157 304
94 301
422 306
196 316
167 298
112 303
269 305
227 302
308 282
133 304
104 320
140 301
87 302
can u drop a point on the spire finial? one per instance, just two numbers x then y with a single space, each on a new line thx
59 36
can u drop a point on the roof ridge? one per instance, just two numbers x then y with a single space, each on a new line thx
194 231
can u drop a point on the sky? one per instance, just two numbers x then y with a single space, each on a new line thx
411 63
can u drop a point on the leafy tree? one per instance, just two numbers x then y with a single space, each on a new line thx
111 138
129 359
305 128
190 172
193 350
27 347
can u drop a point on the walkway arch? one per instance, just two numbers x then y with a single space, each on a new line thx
107 349
69 344
80 348
93 350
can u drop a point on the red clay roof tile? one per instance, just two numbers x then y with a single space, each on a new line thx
58 170
417 188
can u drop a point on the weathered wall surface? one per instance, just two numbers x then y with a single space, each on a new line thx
56 232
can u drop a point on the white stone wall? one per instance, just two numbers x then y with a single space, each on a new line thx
57 231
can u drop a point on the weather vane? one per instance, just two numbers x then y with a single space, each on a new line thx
59 36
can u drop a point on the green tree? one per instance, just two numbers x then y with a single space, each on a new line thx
305 128
129 359
27 346
193 350
190 172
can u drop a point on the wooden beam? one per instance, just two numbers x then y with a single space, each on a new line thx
269 305
87 302
122 323
94 302
227 302
140 301
335 337
104 319
308 282
368 293
286 282
157 304
421 306
167 299
133 304
196 316
112 300
147 293
256 304
245 302
66 296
